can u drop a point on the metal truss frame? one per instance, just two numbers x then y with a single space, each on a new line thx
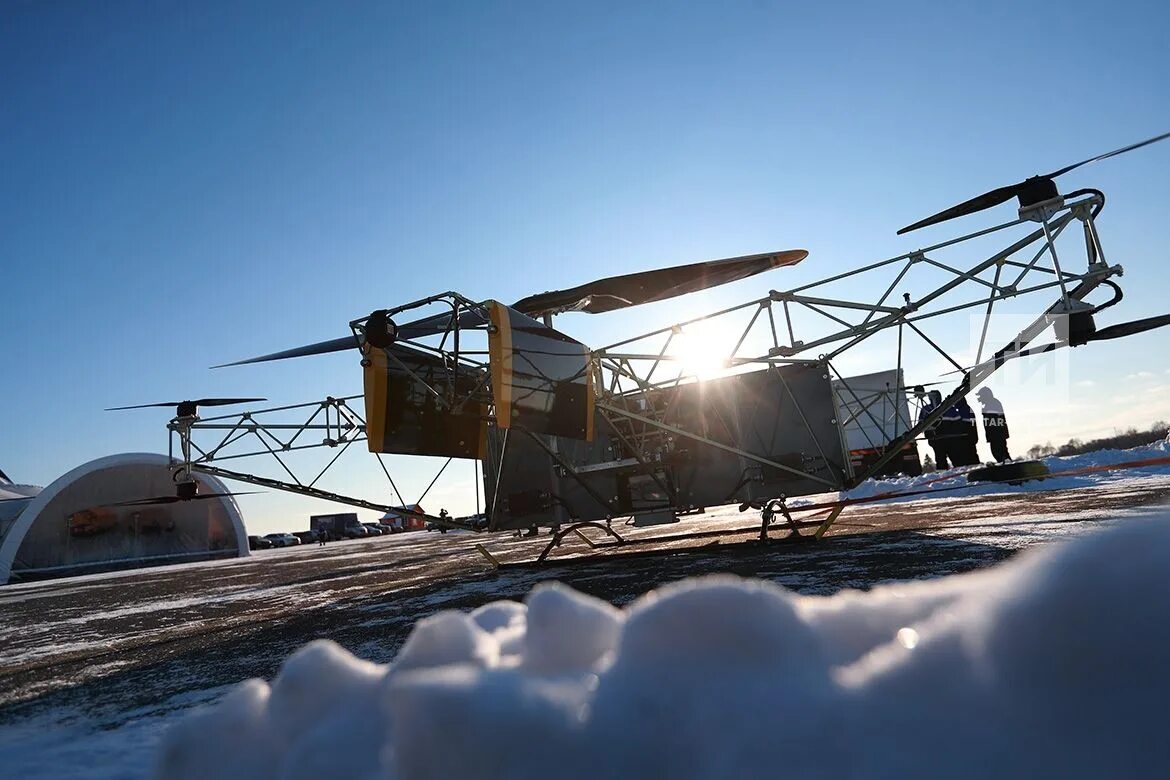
628 372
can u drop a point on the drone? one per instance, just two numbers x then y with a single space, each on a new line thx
566 436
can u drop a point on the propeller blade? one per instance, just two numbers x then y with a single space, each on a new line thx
176 499
226 401
619 292
1107 155
435 324
1118 331
601 295
1121 330
1131 328
197 402
1031 190
320 348
978 203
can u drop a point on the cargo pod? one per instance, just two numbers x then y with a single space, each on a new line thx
541 379
543 396
417 403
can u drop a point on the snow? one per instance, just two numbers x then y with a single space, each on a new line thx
568 632
953 483
1052 664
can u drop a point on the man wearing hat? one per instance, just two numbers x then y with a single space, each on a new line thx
994 424
928 404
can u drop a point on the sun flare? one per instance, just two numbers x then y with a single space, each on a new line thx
702 354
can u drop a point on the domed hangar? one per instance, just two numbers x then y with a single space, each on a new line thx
96 518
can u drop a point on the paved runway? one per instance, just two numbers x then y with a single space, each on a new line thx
106 646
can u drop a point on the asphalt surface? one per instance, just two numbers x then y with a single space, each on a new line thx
107 646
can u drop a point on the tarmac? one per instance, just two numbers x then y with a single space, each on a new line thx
107 644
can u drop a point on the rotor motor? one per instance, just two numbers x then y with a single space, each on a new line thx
381 331
1075 325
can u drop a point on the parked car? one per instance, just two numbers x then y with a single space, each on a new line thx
374 529
478 522
282 540
356 532
307 537
387 529
259 543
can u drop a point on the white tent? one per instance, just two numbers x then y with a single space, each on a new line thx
77 524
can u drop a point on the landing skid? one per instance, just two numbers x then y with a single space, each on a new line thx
626 547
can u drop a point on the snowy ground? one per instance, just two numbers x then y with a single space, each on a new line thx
94 670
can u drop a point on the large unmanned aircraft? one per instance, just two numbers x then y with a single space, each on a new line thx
566 435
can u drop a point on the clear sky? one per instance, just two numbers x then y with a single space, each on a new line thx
183 184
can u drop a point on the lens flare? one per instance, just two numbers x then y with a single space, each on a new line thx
701 354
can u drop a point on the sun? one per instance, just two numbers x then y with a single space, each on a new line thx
700 353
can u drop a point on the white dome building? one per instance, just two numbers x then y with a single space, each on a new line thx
74 525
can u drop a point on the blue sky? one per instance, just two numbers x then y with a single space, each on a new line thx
185 184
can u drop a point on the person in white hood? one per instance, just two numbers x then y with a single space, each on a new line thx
994 424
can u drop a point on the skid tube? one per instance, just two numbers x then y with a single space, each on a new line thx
623 543
714 546
768 515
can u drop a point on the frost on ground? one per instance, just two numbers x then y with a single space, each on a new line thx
1050 665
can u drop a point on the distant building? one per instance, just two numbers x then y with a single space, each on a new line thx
76 526
400 519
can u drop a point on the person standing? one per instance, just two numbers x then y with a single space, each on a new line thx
928 404
995 426
959 434
969 444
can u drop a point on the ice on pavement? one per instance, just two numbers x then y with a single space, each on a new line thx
1052 664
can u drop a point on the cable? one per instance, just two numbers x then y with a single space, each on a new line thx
1118 294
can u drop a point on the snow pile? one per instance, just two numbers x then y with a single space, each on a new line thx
1050 665
955 478
1158 449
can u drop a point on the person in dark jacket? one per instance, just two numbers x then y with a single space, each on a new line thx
970 441
928 404
995 426
960 434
